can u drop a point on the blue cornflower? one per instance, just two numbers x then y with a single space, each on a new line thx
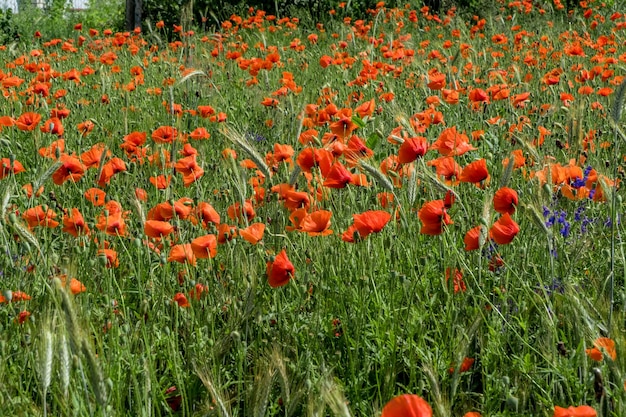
578 213
592 193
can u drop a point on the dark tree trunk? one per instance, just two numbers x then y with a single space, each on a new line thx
434 5
134 10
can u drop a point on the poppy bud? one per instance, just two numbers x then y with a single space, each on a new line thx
512 403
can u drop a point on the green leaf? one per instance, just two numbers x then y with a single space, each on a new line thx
372 140
358 121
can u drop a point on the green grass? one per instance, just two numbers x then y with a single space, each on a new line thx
360 322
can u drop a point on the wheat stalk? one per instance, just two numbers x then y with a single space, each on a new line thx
45 175
380 178
95 374
239 140
65 367
46 364
207 381
334 397
616 114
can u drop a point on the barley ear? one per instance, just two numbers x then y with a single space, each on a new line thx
485 219
618 103
190 75
95 374
334 397
46 174
439 403
45 366
71 321
380 178
508 171
207 381
65 364
239 140
263 382
25 234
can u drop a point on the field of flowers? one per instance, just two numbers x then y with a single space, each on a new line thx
409 215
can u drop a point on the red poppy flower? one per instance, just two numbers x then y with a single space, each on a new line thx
433 216
53 126
280 270
22 317
452 143
157 229
114 166
74 224
294 200
190 169
472 239
95 196
366 109
91 158
407 405
85 127
580 411
182 254
475 172
602 343
111 220
76 287
337 176
505 200
447 168
411 149
71 169
478 95
110 256
466 365
7 121
200 133
436 80
204 246
164 134
37 216
519 100
207 214
10 167
504 230
343 127
235 212
253 233
225 233
317 223
19 296
270 102
161 182
181 300
206 111
372 221
133 141
141 194
28 121
28 188
282 153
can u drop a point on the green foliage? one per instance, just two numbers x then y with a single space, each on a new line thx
102 14
8 30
